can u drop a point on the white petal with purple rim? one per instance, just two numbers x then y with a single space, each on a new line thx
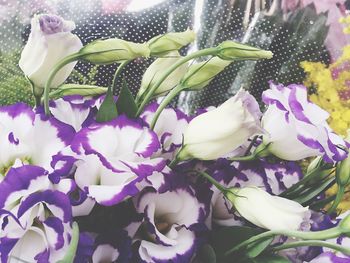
114 158
297 128
105 253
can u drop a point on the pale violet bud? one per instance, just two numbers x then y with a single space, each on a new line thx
268 211
220 131
113 50
156 70
199 75
50 40
231 50
163 44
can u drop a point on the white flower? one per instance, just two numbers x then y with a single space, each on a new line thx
297 128
156 70
268 211
50 41
220 131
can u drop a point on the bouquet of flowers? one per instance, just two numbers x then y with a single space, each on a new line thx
91 176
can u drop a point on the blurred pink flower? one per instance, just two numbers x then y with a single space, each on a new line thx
114 6
336 39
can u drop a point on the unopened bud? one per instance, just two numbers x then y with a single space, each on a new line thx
163 44
199 75
156 70
113 50
230 50
343 172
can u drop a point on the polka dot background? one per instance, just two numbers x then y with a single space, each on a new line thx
139 20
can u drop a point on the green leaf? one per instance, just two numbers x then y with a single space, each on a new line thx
126 103
72 249
76 89
314 191
255 249
108 110
226 238
206 254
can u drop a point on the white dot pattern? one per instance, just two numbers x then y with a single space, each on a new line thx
218 21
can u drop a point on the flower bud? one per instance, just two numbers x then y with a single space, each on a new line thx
162 44
113 50
343 172
220 131
344 225
199 75
50 40
230 50
268 211
156 70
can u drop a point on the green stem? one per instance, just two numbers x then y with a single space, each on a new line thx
200 53
338 198
174 162
324 234
172 94
316 243
72 249
118 71
250 157
52 74
222 188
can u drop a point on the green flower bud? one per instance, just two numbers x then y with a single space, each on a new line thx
76 89
163 44
230 50
156 70
199 75
314 164
113 50
343 172
344 225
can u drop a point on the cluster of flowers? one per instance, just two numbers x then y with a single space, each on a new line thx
76 186
69 167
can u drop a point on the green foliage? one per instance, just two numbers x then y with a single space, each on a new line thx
225 238
126 102
108 109
206 254
13 85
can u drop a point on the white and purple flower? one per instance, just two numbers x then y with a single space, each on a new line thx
50 41
75 110
170 127
35 218
273 178
296 128
170 231
219 132
29 138
114 158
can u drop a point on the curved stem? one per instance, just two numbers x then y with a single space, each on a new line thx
172 94
250 157
174 162
118 71
222 188
72 248
52 74
200 53
324 234
338 198
317 243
